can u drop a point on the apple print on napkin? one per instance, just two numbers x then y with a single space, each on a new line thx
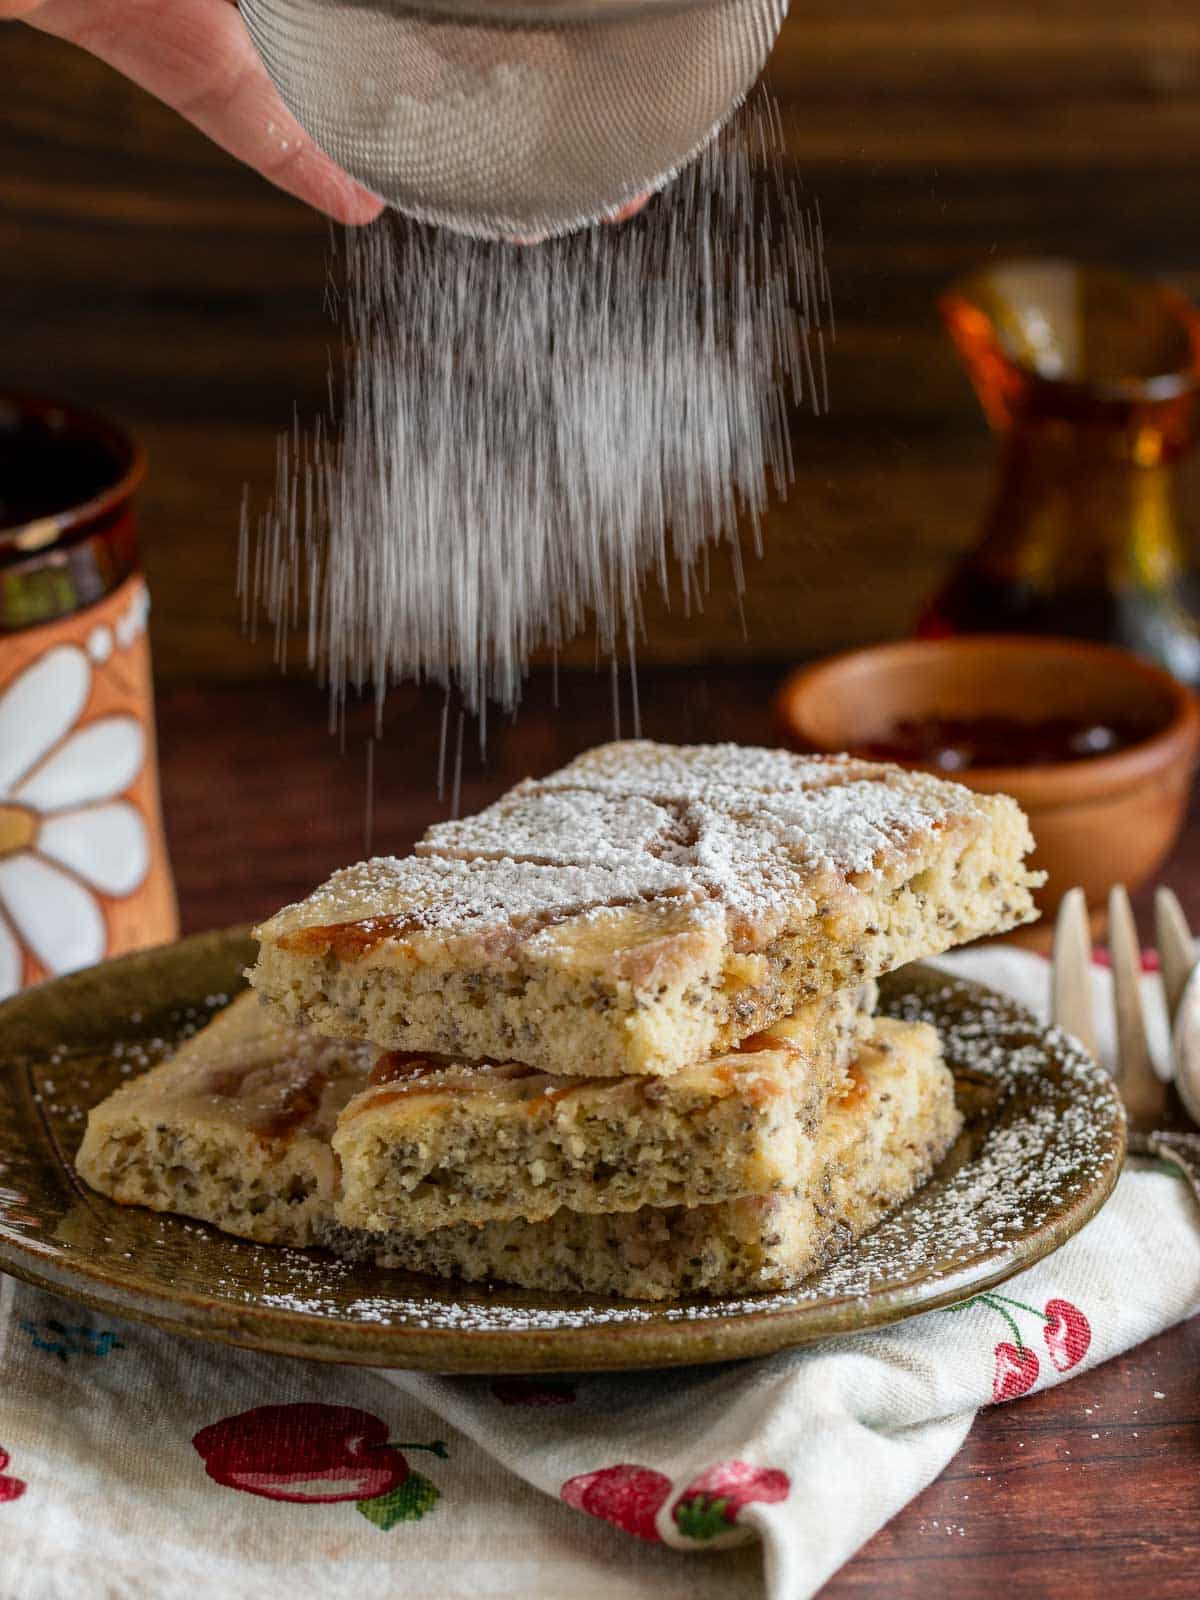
309 1453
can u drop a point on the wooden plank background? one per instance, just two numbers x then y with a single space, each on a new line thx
144 272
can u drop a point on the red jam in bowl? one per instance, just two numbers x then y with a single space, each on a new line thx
952 744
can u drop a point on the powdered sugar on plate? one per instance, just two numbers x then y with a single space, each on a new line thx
1043 1151
1039 1157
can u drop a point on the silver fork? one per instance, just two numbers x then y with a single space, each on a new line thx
1142 1090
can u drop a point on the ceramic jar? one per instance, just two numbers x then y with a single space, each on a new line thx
83 864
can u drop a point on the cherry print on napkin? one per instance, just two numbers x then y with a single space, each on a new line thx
1066 1330
1016 1371
317 1454
1067 1333
10 1488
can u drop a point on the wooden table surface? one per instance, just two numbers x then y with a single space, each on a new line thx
1092 1488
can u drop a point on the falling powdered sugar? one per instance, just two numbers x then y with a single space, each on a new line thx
526 432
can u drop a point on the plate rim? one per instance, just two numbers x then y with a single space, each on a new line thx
657 1339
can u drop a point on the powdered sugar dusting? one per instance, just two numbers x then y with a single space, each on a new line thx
564 829
757 833
710 772
524 434
851 827
723 810
450 896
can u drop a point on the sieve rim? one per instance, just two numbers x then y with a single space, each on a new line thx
546 13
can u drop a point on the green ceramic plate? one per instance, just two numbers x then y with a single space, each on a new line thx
1041 1153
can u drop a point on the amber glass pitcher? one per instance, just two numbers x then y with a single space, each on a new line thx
1089 379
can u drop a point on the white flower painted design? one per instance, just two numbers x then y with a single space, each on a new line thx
65 835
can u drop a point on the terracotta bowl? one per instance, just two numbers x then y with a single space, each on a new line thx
1098 821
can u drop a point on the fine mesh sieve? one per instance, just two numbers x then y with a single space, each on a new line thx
517 119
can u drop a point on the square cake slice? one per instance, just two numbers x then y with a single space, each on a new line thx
647 907
234 1129
431 1144
878 1142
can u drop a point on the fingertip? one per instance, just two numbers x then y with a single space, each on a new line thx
317 178
354 205
630 208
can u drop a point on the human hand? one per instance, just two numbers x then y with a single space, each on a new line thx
196 56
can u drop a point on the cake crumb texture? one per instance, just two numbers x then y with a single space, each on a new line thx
234 1129
428 1144
877 1144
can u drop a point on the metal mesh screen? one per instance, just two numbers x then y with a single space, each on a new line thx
515 128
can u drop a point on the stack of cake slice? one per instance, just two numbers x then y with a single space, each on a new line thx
614 1034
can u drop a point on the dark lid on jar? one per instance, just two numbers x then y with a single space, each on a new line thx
67 477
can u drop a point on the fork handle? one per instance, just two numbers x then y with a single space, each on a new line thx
1182 1150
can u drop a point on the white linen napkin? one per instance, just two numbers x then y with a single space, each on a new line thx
135 1464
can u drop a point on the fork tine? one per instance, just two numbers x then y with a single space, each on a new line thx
1144 1095
1176 947
1070 984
